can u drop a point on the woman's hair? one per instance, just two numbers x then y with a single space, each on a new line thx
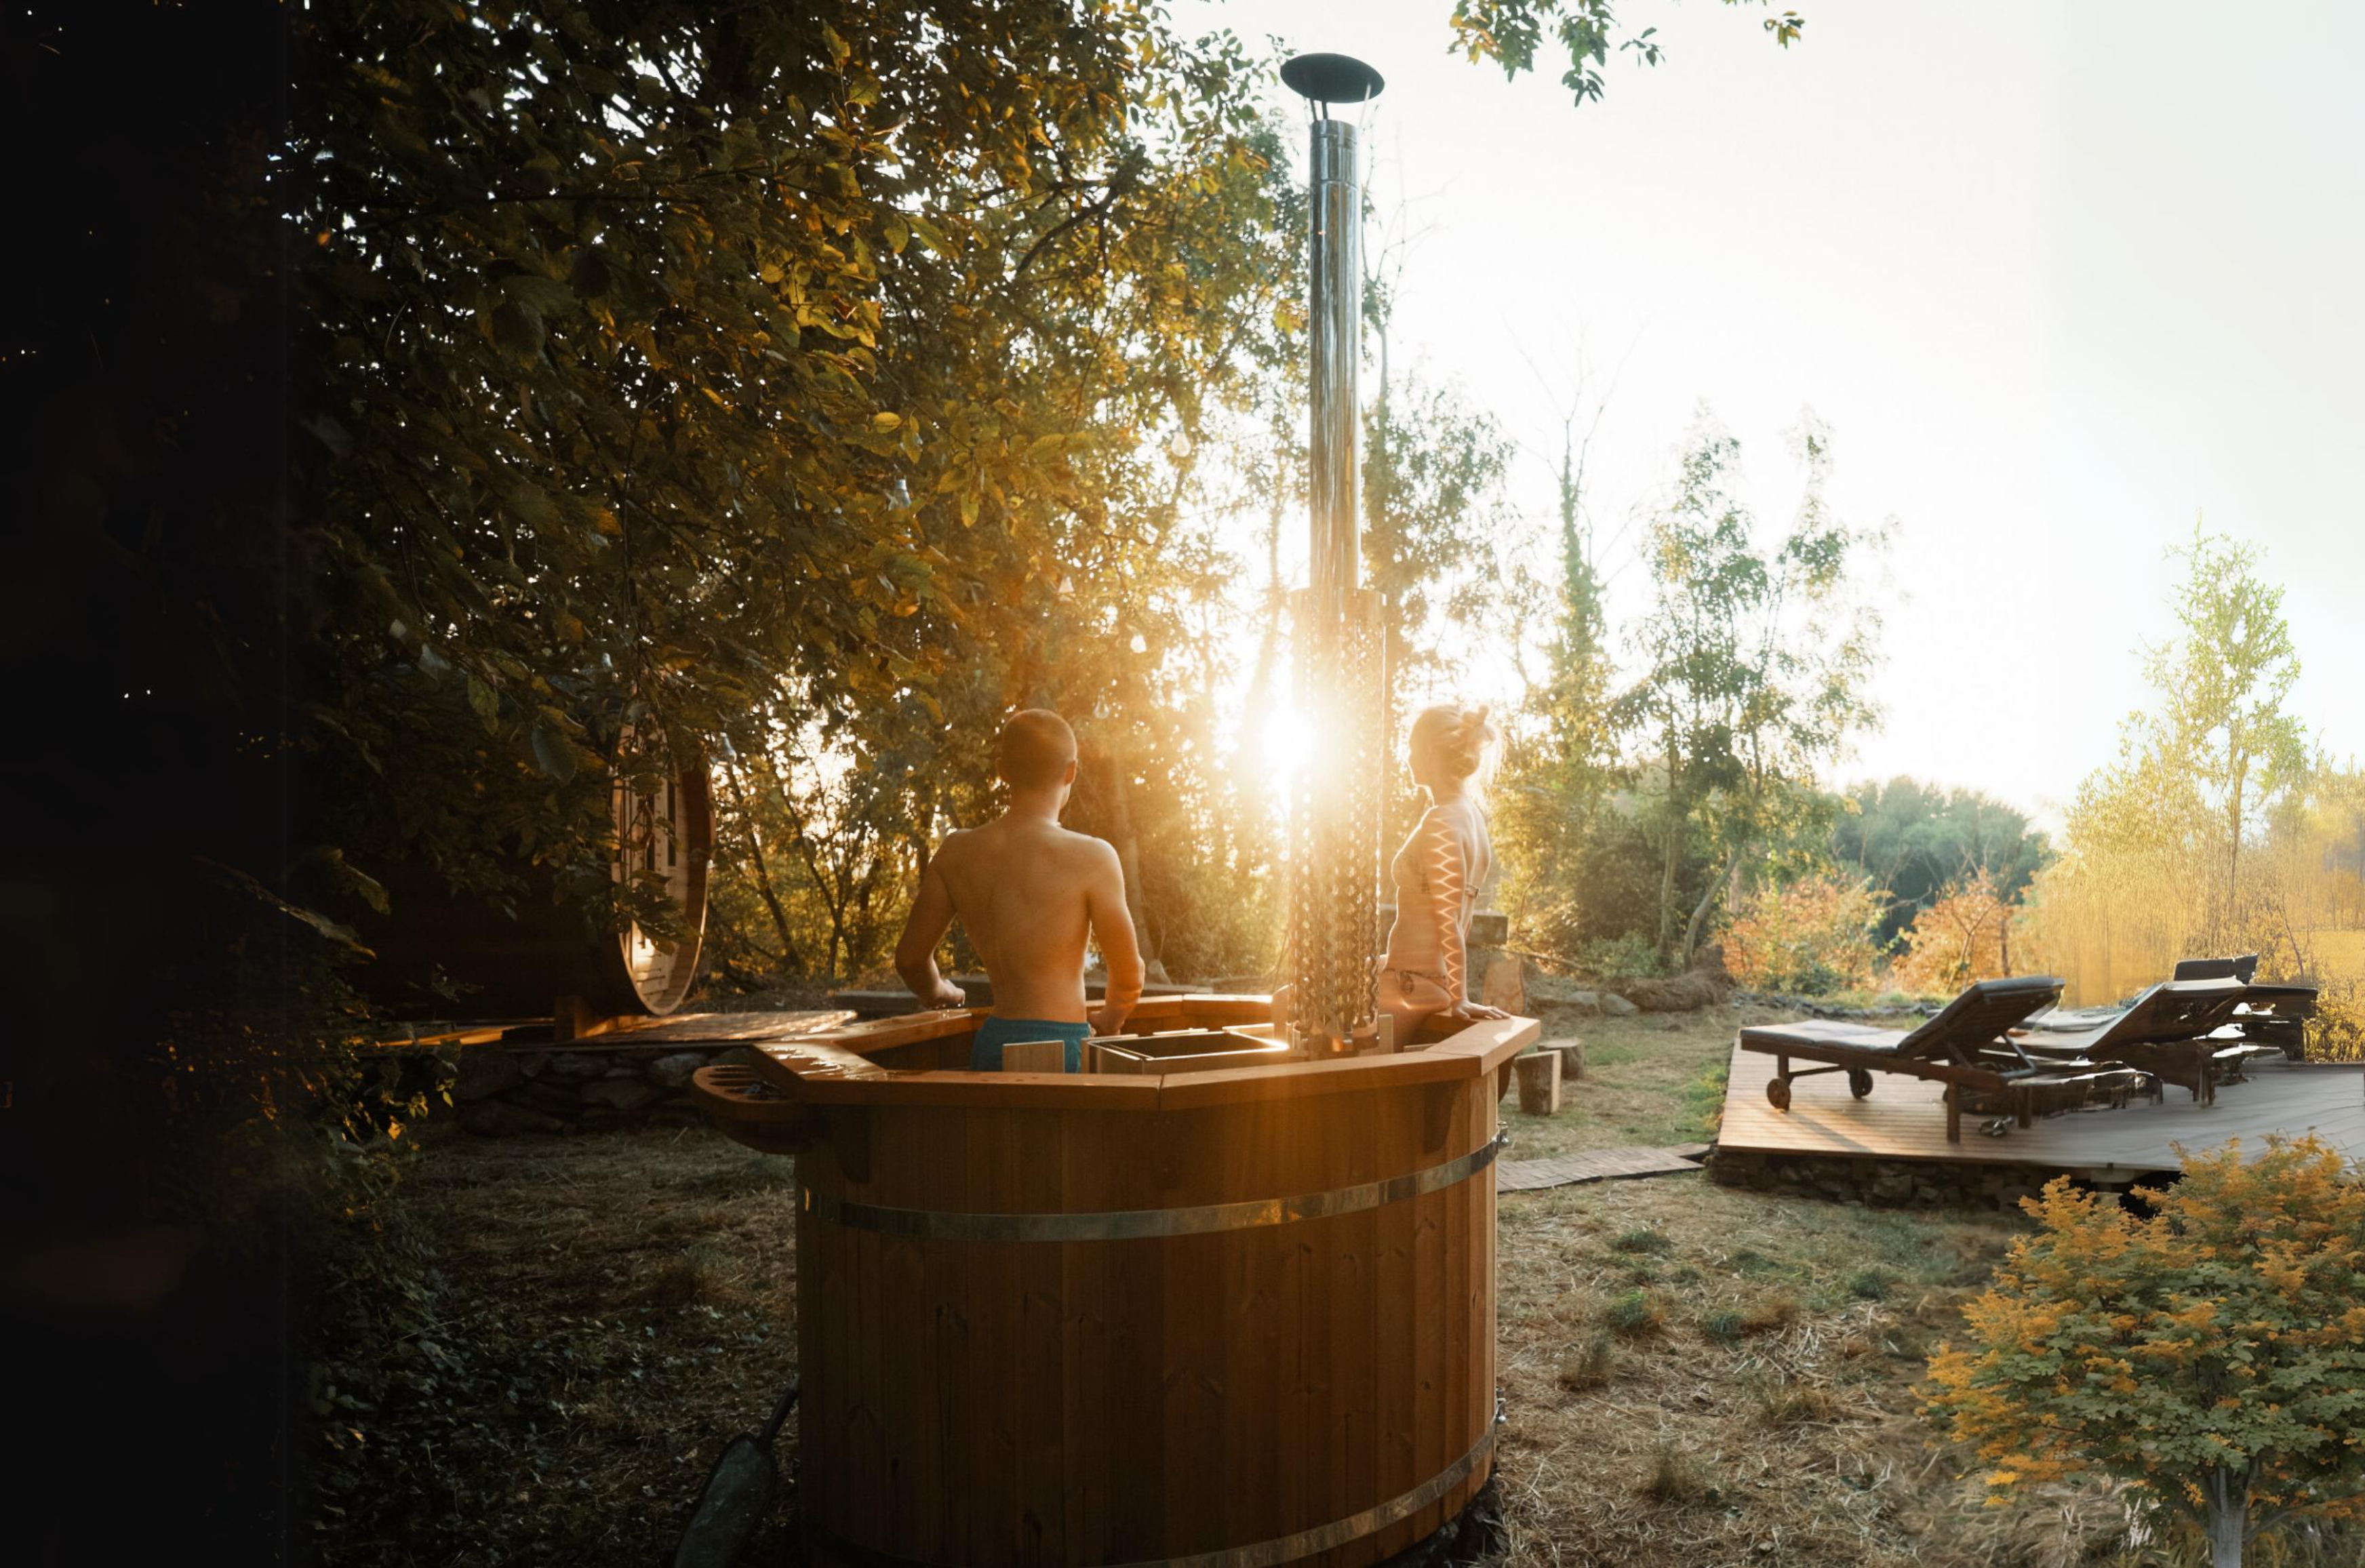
1462 737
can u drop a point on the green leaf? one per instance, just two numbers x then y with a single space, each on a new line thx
590 275
518 329
553 754
483 701
544 296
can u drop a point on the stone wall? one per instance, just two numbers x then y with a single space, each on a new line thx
1880 1183
587 1087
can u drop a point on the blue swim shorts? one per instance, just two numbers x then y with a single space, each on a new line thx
985 1045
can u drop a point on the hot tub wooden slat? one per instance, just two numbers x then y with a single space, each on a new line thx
1043 1412
908 1366
1353 1348
1258 1317
1396 1371
944 1162
881 1448
1088 1164
1136 1399
989 1304
1191 1375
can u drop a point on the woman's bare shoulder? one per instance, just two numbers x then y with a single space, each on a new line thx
1459 816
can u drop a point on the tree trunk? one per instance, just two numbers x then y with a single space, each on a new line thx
763 871
2229 1509
1700 912
1128 859
1667 890
2233 855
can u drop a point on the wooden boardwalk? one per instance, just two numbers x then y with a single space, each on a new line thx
1904 1118
1595 1165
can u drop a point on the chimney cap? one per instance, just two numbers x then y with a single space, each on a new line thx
1329 79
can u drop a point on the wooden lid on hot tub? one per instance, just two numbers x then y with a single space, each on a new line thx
835 1066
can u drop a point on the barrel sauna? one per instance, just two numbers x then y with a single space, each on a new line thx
520 957
1237 1316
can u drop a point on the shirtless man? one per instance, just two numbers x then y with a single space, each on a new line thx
1028 891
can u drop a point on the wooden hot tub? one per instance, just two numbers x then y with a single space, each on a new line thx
1238 1316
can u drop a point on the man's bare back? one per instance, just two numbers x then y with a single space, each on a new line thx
1030 894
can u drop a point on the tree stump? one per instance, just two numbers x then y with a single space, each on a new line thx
1539 1083
1572 1058
1505 985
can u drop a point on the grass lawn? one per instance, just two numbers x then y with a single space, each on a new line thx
1652 1079
1694 1376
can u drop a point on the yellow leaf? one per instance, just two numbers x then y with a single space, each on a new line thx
884 420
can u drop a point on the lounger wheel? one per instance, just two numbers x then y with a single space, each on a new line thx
1778 1090
1859 1082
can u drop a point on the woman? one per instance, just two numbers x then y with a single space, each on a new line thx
1440 873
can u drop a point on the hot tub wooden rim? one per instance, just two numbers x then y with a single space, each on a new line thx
1066 1226
828 1069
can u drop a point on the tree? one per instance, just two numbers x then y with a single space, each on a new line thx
1560 761
1434 507
1813 935
1915 839
1965 934
1507 31
2212 1353
760 372
2191 839
1754 663
2223 683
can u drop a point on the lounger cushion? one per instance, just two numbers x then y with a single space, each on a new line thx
2240 969
1822 1032
1973 1020
2175 1009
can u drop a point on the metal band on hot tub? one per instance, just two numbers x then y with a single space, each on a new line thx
1126 1225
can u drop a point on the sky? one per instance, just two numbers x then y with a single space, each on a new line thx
2060 277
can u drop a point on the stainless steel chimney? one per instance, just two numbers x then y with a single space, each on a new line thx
1335 806
1334 326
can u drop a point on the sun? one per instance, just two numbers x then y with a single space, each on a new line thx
1287 738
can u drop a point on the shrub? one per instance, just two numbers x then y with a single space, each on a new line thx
1813 935
1589 1365
1869 1284
1963 936
2211 1354
1785 1402
1675 1477
1634 1314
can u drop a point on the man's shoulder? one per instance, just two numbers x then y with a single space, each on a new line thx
1084 847
956 845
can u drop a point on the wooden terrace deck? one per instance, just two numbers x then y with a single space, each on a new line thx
1904 1119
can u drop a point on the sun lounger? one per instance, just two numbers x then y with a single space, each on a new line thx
1954 1047
2274 1012
2179 1031
2271 1013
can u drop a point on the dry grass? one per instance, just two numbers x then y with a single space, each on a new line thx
1694 1376
1653 1079
609 1310
1759 1406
